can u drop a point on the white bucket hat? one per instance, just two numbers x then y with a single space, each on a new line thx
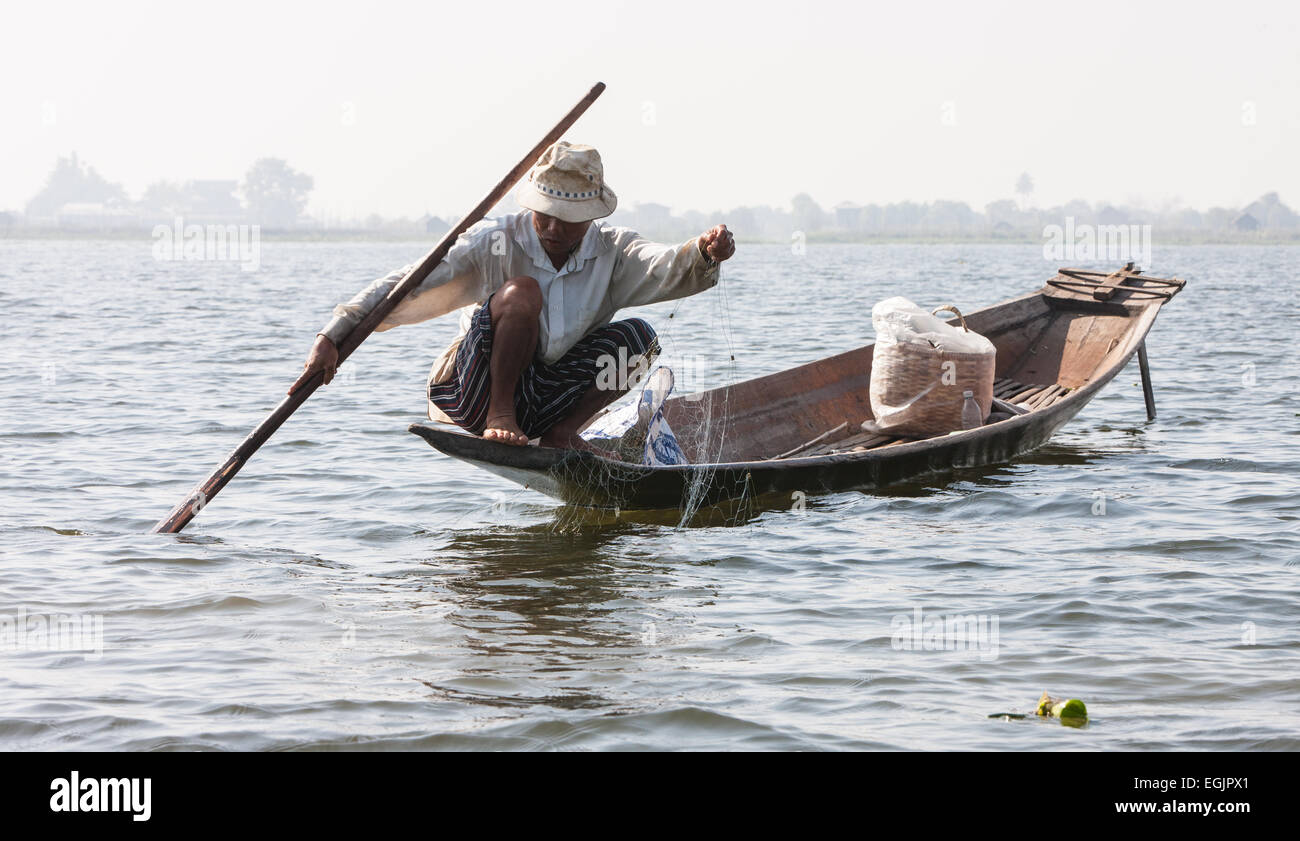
568 182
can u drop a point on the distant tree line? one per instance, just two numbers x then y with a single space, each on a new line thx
76 196
1265 218
274 195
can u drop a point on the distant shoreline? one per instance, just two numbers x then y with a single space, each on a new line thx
824 238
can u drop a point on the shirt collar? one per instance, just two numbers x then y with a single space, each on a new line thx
527 239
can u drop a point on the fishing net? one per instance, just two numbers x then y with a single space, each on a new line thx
688 363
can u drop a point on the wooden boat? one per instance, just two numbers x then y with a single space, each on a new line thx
801 429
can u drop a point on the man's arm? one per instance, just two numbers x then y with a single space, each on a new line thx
648 272
455 282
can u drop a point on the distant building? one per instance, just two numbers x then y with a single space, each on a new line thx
86 216
432 225
195 202
653 212
1219 218
651 216
1110 216
651 220
848 216
1269 212
1246 222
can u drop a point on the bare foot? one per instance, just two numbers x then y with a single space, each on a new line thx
505 429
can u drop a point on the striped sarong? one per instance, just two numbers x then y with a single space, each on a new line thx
546 392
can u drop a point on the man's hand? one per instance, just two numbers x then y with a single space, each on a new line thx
324 356
717 244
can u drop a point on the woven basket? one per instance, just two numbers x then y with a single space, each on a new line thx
910 395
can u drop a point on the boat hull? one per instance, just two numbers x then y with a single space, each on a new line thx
584 479
1056 337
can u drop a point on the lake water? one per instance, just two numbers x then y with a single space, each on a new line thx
353 588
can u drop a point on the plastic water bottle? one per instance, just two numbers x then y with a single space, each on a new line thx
971 416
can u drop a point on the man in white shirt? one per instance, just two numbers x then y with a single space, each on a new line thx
537 291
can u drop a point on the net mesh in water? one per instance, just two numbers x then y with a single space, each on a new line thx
700 426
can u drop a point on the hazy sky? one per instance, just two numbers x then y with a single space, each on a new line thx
400 108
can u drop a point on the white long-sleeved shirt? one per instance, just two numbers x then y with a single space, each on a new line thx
611 269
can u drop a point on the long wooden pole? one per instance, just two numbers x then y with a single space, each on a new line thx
211 486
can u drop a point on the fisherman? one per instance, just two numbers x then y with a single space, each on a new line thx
537 291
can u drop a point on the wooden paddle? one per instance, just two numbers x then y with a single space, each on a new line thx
211 486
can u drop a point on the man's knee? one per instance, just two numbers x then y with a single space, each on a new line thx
644 335
517 296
